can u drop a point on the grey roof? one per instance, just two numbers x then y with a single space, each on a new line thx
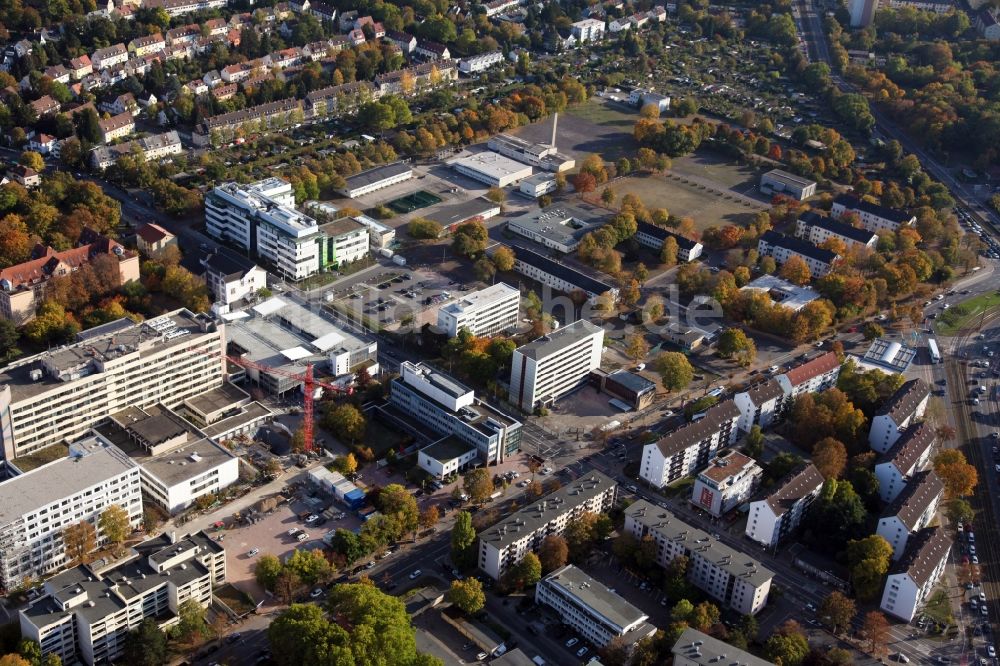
438 380
632 381
765 391
340 227
707 651
458 213
542 511
924 551
447 449
228 263
799 483
576 278
562 223
90 461
219 398
662 233
376 174
837 227
916 496
904 401
558 339
693 432
799 246
889 354
909 448
852 202
702 543
595 596
790 178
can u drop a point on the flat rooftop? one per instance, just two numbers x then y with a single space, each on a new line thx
250 413
595 596
377 174
493 165
439 380
194 457
97 346
483 298
578 279
447 449
733 562
562 223
559 339
541 512
89 462
704 650
458 213
783 292
339 227
789 178
889 355
219 398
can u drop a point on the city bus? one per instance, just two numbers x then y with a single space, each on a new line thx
933 348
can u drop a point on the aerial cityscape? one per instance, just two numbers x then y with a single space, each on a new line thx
425 333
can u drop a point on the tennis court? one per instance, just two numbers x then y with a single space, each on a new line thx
413 201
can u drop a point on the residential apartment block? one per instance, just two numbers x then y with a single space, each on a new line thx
150 148
37 506
435 401
594 611
783 248
22 286
548 368
485 312
817 229
685 450
761 404
816 374
903 409
729 577
911 511
480 63
653 237
912 578
505 543
85 614
774 516
59 395
588 30
726 483
906 457
874 218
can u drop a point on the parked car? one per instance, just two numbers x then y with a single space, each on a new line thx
416 574
571 642
253 552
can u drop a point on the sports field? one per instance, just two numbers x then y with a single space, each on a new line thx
707 205
413 201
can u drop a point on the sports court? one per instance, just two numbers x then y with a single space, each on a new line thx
413 201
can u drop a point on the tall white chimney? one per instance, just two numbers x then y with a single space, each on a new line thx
555 121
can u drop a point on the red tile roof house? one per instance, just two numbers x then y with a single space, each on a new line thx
19 284
152 238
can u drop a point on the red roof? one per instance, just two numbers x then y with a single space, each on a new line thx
43 266
814 368
152 233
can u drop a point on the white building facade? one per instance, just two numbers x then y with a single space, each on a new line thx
913 577
911 511
773 517
907 457
761 405
727 482
548 368
486 312
904 408
685 450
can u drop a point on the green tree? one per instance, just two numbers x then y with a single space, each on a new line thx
467 595
755 442
527 572
636 346
682 611
422 228
146 646
705 616
192 623
503 258
868 560
345 421
310 566
675 370
395 502
114 525
266 571
734 343
788 645
959 511
478 485
837 611
32 160
346 464
8 339
463 540
470 239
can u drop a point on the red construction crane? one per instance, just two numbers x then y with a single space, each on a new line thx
309 384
